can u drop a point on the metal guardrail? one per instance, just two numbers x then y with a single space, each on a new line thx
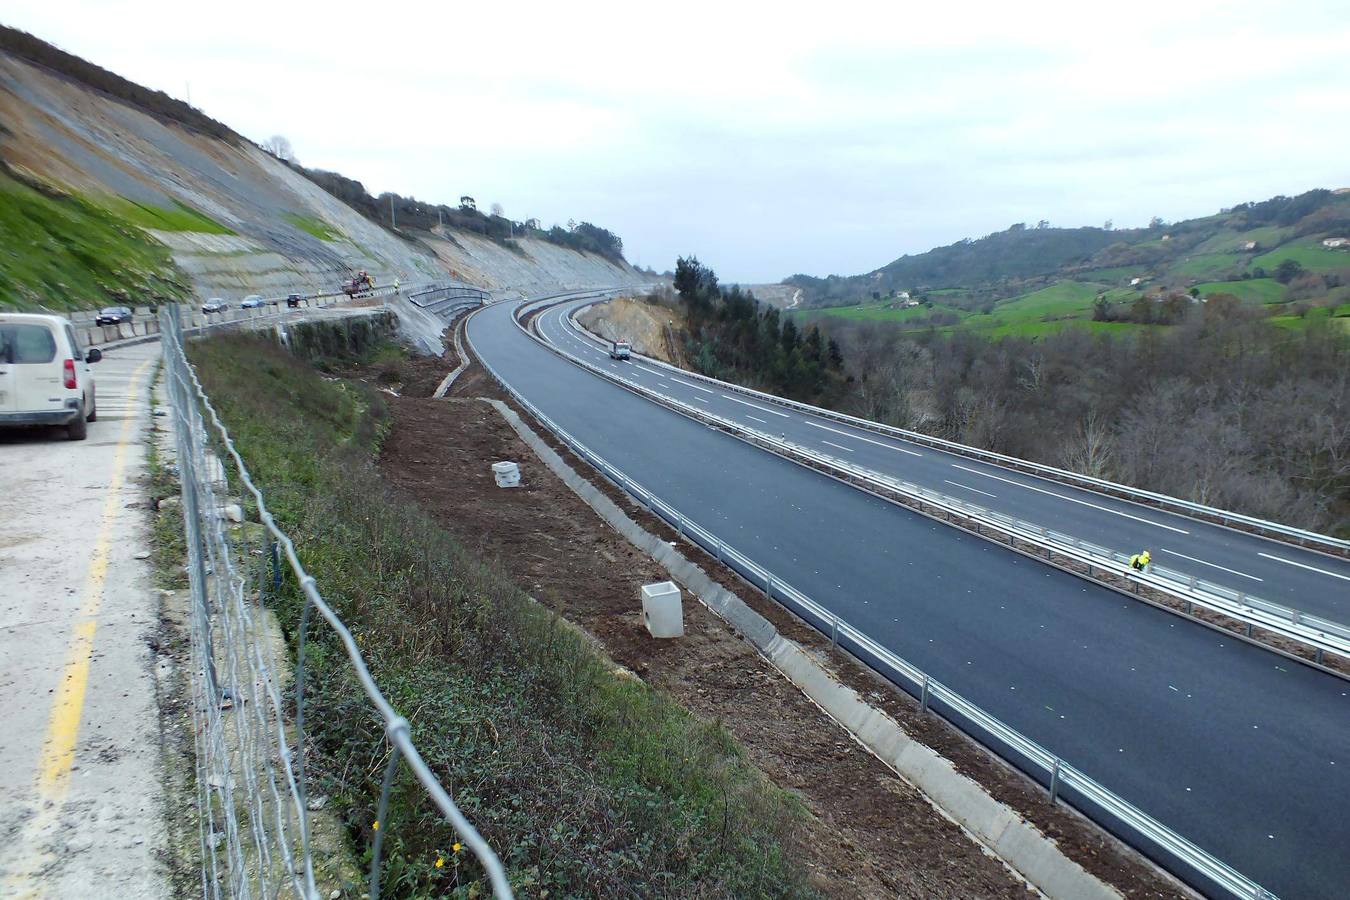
254 832
435 297
1277 530
1061 778
1321 635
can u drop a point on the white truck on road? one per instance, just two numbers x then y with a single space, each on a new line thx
620 350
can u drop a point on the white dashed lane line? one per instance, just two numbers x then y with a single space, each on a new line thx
969 488
1290 562
694 386
860 438
1114 512
1212 565
757 419
757 406
837 446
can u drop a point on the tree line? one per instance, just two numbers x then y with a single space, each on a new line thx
731 335
1223 409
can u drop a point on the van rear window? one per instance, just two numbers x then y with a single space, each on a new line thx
26 344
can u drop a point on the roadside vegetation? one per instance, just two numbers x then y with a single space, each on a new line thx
583 779
62 252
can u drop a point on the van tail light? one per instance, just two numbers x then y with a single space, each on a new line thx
70 374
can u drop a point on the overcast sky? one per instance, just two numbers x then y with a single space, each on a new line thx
767 138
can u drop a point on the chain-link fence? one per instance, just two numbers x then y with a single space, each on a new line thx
248 714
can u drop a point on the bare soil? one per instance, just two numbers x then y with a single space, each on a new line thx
877 836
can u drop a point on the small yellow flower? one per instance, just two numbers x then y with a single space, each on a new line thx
457 846
376 826
440 861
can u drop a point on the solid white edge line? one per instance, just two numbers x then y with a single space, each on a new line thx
1290 562
1114 512
969 488
756 406
1210 564
837 446
858 437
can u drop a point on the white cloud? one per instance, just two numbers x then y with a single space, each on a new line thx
768 139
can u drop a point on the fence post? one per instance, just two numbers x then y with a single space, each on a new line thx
923 695
1054 781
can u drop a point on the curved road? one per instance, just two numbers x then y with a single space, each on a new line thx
1236 748
1292 576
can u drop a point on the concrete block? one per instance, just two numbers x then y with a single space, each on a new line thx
507 474
662 611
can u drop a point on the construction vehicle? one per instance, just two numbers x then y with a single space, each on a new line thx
362 282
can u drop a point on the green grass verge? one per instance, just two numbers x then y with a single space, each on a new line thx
179 217
312 226
1310 253
587 783
1253 290
66 253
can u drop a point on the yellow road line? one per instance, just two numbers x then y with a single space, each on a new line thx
63 725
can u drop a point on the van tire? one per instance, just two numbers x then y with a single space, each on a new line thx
78 429
93 413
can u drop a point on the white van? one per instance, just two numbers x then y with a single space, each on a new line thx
44 377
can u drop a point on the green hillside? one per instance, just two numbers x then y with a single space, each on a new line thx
1038 280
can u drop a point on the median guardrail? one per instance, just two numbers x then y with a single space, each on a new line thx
1063 780
1276 530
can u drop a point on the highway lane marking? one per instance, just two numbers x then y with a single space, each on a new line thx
700 400
757 419
1290 562
1212 565
969 488
839 446
694 386
653 371
756 406
860 438
1114 512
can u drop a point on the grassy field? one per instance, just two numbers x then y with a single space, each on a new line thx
879 312
65 253
310 225
1255 290
1310 253
1064 300
1210 264
587 783
179 217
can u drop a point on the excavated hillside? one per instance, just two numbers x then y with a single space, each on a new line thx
104 200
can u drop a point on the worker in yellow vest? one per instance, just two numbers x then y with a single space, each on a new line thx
1139 562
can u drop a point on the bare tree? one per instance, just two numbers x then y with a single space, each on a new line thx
1089 449
280 147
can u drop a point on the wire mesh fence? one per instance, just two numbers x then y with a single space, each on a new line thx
248 712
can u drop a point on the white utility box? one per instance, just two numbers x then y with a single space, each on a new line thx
661 610
506 473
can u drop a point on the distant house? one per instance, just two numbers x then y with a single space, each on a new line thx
1336 242
1166 237
1248 245
909 303
1134 282
903 295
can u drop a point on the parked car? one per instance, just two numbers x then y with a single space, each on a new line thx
293 300
215 305
253 301
44 376
112 315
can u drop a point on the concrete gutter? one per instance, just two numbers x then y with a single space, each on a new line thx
995 825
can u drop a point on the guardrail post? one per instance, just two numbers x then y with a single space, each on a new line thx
923 695
834 634
1249 629
1054 781
1319 656
720 550
768 586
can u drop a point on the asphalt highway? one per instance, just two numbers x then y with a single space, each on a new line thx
1243 752
1301 579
